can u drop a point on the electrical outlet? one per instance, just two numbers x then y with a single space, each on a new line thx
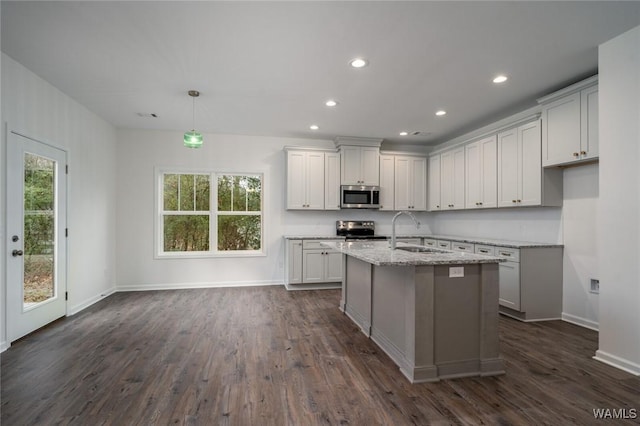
595 286
456 271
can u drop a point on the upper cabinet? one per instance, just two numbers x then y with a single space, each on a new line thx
481 173
570 124
387 182
313 178
433 183
410 187
360 165
360 161
452 179
521 179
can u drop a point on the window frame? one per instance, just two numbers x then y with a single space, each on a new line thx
213 214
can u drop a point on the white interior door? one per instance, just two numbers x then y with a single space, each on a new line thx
36 228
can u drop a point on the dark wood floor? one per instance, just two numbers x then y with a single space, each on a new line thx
265 356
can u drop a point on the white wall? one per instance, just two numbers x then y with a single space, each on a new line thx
37 109
619 214
140 151
579 226
535 224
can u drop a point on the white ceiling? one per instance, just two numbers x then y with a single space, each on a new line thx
266 68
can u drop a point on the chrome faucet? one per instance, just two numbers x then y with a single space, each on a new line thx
393 226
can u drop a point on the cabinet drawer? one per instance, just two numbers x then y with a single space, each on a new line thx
415 241
508 253
486 250
463 247
316 244
430 242
444 244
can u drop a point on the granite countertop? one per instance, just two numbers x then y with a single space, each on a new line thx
378 253
492 242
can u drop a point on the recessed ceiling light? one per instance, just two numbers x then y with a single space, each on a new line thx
314 127
359 63
441 112
331 103
500 79
404 133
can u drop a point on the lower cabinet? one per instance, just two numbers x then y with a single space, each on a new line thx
309 262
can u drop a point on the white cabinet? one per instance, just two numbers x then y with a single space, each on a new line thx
294 261
462 247
360 165
443 244
433 183
313 179
481 173
387 179
452 179
332 181
320 264
521 181
410 186
415 241
305 180
570 124
509 283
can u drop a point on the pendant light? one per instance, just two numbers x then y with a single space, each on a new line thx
193 139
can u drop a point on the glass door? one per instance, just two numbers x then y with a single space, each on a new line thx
36 227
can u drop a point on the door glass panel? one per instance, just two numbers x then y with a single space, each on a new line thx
39 230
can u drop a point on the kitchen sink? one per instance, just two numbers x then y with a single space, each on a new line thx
413 249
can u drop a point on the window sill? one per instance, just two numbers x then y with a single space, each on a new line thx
211 255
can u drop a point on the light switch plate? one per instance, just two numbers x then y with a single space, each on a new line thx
456 271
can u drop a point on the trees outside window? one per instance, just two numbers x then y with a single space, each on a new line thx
210 213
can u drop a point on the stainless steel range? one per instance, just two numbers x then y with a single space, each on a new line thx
357 230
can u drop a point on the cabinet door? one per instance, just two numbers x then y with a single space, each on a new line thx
332 181
315 180
458 178
402 187
530 165
589 123
333 266
370 166
446 180
294 259
434 183
473 176
561 130
350 165
313 266
418 178
508 168
509 278
387 179
489 172
296 180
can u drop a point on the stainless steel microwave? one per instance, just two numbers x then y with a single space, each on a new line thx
359 197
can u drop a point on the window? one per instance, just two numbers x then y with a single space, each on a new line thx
205 214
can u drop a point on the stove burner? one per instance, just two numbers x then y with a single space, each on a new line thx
357 230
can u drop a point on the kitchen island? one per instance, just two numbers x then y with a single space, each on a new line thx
434 312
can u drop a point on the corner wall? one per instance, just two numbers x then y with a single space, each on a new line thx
619 214
35 108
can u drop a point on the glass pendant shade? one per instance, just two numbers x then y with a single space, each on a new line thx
193 139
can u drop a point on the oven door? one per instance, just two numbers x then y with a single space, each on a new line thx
359 197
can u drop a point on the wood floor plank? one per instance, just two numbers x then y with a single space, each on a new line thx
265 356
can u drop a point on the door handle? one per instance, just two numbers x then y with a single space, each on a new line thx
16 253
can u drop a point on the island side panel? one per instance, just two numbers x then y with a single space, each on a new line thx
457 321
357 288
388 328
420 326
490 361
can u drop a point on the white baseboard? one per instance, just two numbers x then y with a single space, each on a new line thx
617 362
582 322
85 304
4 346
181 286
